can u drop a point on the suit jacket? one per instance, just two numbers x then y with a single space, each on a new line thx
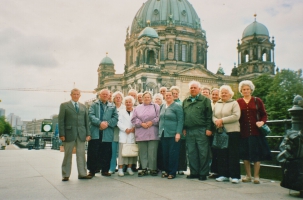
73 123
110 115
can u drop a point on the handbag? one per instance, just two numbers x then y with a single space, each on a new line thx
265 130
130 150
220 139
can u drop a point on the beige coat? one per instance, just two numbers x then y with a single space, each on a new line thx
230 113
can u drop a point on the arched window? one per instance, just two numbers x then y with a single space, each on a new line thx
246 56
151 57
184 51
264 55
162 56
176 51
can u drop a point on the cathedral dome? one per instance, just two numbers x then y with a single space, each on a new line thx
106 61
164 12
149 32
255 28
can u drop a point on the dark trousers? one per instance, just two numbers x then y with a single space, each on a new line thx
182 165
160 156
228 159
214 160
170 150
99 155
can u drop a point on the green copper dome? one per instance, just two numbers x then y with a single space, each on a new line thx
165 12
149 32
255 28
106 61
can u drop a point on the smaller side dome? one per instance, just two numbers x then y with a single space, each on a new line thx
106 61
255 28
149 32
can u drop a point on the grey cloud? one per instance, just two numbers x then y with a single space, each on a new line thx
24 51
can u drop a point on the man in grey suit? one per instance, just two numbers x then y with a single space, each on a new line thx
74 131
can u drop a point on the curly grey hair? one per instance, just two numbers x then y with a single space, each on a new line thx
246 83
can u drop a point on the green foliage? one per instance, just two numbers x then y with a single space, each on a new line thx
262 84
285 86
5 127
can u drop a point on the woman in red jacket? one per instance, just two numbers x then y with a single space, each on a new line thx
253 145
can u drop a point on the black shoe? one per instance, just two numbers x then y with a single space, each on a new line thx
202 178
85 177
65 179
154 172
192 176
105 174
144 172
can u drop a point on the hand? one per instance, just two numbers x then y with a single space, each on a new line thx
144 125
219 123
208 132
259 124
88 138
149 123
62 138
177 137
184 132
103 125
127 131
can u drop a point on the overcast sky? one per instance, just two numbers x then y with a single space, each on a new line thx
59 44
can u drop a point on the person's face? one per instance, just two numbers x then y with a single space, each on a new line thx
246 91
133 94
158 101
175 94
118 99
194 90
146 98
163 91
104 95
140 99
225 95
215 96
169 97
75 95
128 104
206 93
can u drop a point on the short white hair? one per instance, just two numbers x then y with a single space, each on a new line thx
163 88
194 82
75 90
127 98
215 89
175 88
158 95
132 90
115 94
228 88
246 83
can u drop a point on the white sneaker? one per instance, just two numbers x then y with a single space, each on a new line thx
120 173
222 178
235 180
130 171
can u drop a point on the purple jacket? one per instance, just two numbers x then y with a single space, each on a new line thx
144 113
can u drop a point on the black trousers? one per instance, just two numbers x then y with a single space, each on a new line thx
229 159
99 155
170 154
214 160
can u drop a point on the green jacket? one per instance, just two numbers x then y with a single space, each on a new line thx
197 113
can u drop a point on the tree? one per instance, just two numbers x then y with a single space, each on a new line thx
5 127
285 86
262 84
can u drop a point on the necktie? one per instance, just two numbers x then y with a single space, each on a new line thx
76 106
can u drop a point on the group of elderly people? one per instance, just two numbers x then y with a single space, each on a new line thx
168 132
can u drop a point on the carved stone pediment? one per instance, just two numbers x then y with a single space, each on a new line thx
197 72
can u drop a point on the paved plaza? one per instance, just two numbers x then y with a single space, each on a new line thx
36 174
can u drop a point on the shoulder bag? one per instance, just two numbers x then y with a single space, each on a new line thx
220 139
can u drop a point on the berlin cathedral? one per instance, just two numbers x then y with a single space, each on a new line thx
167 46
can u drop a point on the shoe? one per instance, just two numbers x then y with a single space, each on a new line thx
235 180
202 178
213 175
222 178
130 171
65 179
171 176
105 174
111 172
192 176
257 181
91 174
85 177
143 172
164 175
180 172
154 172
120 173
246 179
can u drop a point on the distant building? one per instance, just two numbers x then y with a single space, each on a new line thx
2 112
167 46
14 120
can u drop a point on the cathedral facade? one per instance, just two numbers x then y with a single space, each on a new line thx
167 46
